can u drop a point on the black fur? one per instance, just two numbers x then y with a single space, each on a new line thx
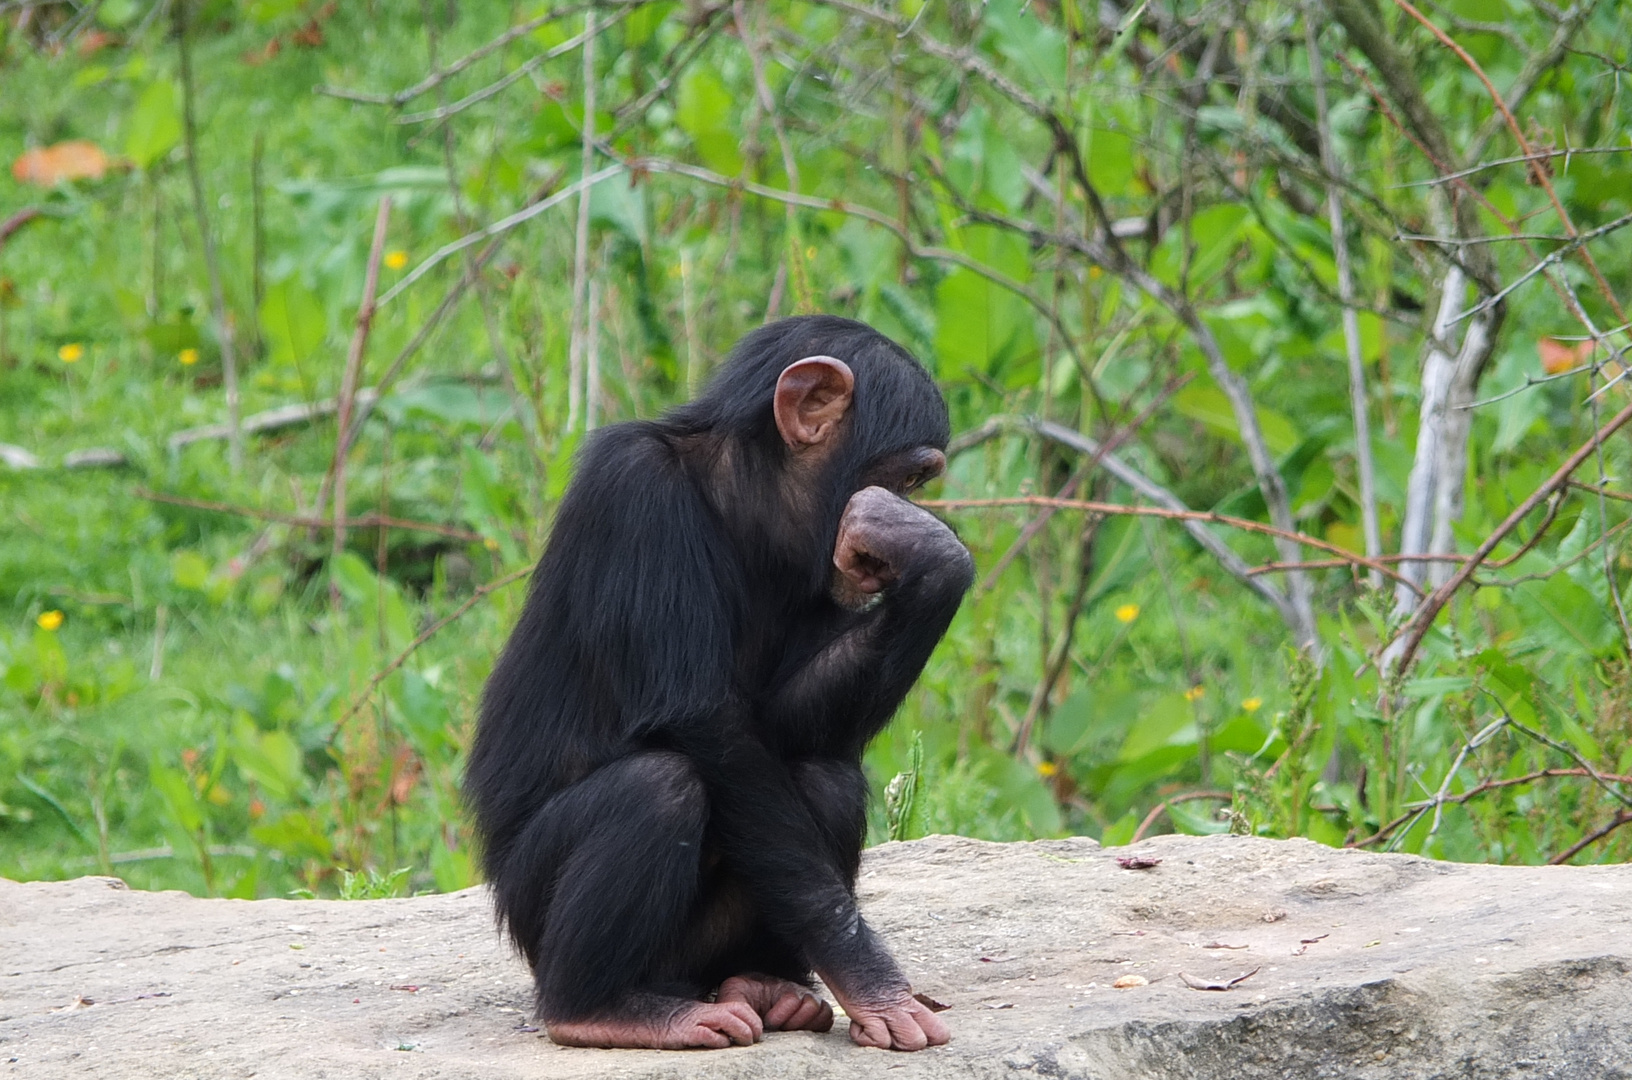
666 774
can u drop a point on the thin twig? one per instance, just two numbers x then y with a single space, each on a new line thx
592 30
441 75
212 262
1117 438
1576 243
1162 807
311 521
1538 155
1206 516
1621 818
795 258
499 227
1414 631
1414 810
580 255
1567 750
865 213
1541 178
425 635
348 393
1370 529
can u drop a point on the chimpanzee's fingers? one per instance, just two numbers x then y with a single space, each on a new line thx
933 1027
737 1021
703 1034
821 1017
781 1011
808 1013
905 1033
870 1031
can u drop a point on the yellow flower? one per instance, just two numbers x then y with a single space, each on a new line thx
49 620
1047 768
188 357
810 253
1194 693
70 352
1094 272
490 544
396 260
1252 704
1127 613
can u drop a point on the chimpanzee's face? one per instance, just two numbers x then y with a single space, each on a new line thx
905 471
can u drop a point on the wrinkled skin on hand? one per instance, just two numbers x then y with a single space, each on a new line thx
884 538
901 1022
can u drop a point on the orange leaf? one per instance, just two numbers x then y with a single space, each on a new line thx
49 166
1558 356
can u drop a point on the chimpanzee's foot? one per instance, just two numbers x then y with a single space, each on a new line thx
690 1025
783 1005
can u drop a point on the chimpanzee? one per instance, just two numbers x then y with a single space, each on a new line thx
666 774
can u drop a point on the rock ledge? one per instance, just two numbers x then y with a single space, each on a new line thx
1363 965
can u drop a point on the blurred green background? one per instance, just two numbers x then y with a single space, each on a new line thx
178 682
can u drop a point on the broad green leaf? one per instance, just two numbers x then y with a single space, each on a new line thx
641 24
1207 405
1034 49
178 795
155 124
269 758
1168 721
294 323
1110 161
704 113
189 570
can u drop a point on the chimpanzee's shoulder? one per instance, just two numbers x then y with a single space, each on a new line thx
637 444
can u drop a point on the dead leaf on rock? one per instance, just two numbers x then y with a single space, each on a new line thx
1137 862
930 1003
1213 984
410 987
1127 982
1000 1004
1312 940
1221 945
1274 916
48 166
995 959
79 1002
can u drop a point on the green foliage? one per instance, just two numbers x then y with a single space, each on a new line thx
177 684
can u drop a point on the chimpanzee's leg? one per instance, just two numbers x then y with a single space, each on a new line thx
601 890
774 978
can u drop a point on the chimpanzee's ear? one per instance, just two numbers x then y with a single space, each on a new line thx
812 396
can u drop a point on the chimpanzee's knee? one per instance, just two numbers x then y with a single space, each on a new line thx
836 792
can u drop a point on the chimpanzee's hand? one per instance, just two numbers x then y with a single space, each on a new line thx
903 1023
884 538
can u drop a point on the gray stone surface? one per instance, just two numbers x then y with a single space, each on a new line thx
1366 966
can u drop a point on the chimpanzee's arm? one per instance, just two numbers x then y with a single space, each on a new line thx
849 674
654 604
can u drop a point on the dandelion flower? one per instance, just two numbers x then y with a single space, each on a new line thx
49 620
1194 693
70 352
1127 613
1047 768
188 357
396 260
1252 704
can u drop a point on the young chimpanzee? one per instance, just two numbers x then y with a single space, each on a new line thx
666 774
